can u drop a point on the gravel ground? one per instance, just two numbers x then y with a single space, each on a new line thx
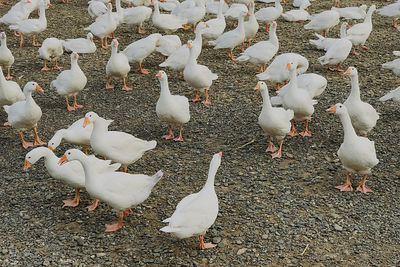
281 212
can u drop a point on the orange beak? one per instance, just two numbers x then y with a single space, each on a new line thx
152 2
91 39
207 26
27 164
248 14
158 74
188 45
288 66
257 87
347 26
63 160
331 109
220 154
49 147
76 55
347 72
28 1
3 34
38 88
86 122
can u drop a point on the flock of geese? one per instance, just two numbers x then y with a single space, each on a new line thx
294 102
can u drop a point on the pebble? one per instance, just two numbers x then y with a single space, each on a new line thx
264 236
100 254
216 240
338 227
46 263
241 251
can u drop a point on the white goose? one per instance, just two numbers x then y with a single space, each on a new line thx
235 10
250 27
166 22
352 12
275 122
356 153
172 109
323 43
70 82
32 26
10 92
359 33
6 57
323 22
117 66
80 45
193 14
393 65
299 3
363 115
168 44
297 15
262 52
392 11
136 16
232 38
198 76
17 13
96 8
277 72
137 51
394 94
118 146
212 7
121 191
168 5
51 50
269 14
70 173
216 25
75 134
25 114
299 100
196 212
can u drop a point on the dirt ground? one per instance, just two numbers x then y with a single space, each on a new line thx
273 212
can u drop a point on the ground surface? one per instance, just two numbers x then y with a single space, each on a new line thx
283 212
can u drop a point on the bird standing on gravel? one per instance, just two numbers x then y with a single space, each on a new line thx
51 50
6 57
197 212
356 153
117 66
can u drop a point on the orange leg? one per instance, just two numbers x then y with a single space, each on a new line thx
242 49
139 30
363 187
267 27
347 186
277 87
68 106
125 168
395 23
231 56
21 39
293 132
206 101
335 69
364 47
354 51
25 144
45 68
16 34
143 71
278 153
170 135
271 147
8 77
37 141
197 97
179 138
108 85
306 131
34 43
74 202
76 104
57 67
323 33
205 245
116 226
85 151
125 87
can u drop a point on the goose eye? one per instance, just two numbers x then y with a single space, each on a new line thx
69 153
29 157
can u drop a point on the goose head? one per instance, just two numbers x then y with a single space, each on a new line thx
189 44
161 75
216 161
351 71
89 36
74 56
291 66
69 155
90 117
274 25
33 156
3 37
31 87
338 109
262 86
114 44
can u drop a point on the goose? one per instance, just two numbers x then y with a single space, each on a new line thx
137 51
51 50
103 26
262 52
10 92
250 27
277 72
269 14
297 15
299 100
393 65
167 22
363 115
275 122
336 54
356 153
70 173
75 134
117 66
212 7
32 26
198 76
359 33
80 45
324 43
168 5
323 22
394 94
96 8
117 146
352 12
315 85
168 44
6 57
235 10
17 13
180 57
120 190
192 14
136 16
216 25
196 212
25 114
232 38
299 3
392 11
172 109
70 82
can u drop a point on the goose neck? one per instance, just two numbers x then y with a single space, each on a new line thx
355 88
220 9
266 100
293 78
164 87
349 132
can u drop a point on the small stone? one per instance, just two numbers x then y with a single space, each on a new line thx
100 254
223 243
46 263
241 251
4 251
216 240
239 242
264 236
338 227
